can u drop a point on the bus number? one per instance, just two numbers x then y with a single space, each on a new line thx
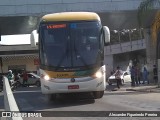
62 75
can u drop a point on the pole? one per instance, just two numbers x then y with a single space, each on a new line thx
129 33
158 72
1 64
119 39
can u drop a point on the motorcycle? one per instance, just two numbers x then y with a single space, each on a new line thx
13 85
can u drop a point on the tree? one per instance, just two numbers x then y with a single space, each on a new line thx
143 12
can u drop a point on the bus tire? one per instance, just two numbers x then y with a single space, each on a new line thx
98 94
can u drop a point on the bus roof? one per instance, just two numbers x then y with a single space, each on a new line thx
71 16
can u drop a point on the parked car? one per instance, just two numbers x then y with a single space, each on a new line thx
33 79
125 77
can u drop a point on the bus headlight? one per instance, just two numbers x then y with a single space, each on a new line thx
46 77
98 74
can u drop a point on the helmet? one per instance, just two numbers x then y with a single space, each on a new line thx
10 71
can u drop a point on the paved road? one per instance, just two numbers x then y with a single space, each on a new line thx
31 99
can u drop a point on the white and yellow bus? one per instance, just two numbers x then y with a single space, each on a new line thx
71 52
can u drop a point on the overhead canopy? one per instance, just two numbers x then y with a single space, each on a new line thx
114 20
126 19
18 24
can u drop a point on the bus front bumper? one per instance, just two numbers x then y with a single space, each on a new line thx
51 87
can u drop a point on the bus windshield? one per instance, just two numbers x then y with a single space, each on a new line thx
69 45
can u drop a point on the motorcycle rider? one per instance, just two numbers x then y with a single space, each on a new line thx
10 77
16 78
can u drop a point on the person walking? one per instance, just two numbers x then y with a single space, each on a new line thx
155 76
118 74
25 79
133 74
145 75
137 75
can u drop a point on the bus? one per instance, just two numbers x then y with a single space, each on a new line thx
71 53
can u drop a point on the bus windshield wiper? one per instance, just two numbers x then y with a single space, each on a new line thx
63 57
80 56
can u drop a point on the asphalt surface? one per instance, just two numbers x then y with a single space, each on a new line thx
127 98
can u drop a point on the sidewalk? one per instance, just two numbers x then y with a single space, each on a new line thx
141 88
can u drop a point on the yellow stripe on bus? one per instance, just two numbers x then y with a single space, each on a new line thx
53 74
75 74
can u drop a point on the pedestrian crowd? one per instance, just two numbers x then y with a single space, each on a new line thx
138 75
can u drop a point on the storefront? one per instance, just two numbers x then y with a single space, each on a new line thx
19 63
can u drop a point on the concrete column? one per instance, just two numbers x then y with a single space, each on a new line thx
150 53
108 61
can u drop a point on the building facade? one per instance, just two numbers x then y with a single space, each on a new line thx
18 58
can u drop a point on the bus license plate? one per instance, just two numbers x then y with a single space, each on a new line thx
73 87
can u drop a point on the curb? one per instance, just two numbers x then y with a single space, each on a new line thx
131 90
153 89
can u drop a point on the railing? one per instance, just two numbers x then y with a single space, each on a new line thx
126 35
9 100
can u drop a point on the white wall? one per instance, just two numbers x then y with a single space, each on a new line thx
125 47
150 52
17 47
108 61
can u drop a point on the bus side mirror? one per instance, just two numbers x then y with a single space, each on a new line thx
106 32
34 38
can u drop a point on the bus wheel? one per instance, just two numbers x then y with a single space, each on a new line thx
98 94
51 97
